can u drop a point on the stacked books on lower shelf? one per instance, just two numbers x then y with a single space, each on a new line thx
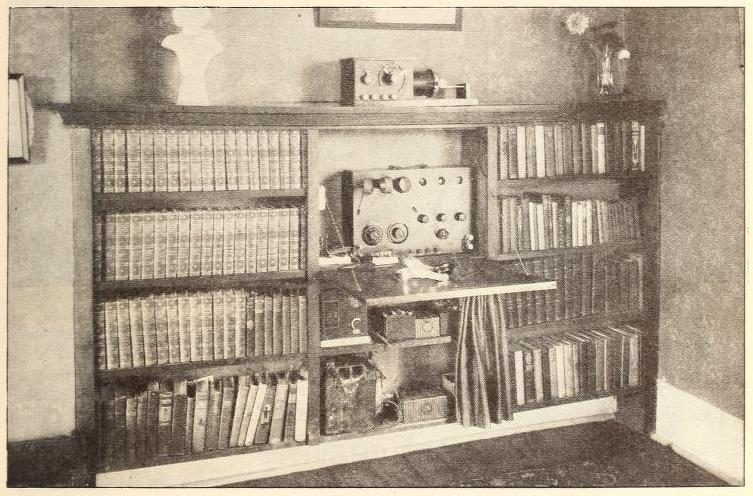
208 414
199 326
587 284
572 365
154 245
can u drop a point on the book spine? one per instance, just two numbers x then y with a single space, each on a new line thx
239 242
218 241
231 159
201 412
165 431
559 151
184 160
194 328
570 146
254 177
190 419
146 160
250 242
228 242
137 332
244 171
207 161
125 350
295 160
119 159
218 334
207 327
173 329
108 160
277 329
512 152
277 424
294 323
228 324
522 143
184 244
290 413
194 242
303 337
179 414
284 148
259 331
195 159
160 245
136 242
121 244
283 245
226 413
97 163
213 414
207 241
273 148
273 243
550 165
173 160
265 179
265 419
100 344
285 327
249 322
539 149
112 347
171 246
218 148
502 158
295 239
241 399
240 323
268 324
262 239
255 415
161 330
248 410
133 160
160 160
184 323
301 410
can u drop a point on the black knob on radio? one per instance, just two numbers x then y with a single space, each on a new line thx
402 184
372 235
442 233
460 216
423 218
385 184
397 233
368 186
441 217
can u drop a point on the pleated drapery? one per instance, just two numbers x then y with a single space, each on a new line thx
482 372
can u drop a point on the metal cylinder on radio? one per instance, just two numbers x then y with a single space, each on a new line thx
425 83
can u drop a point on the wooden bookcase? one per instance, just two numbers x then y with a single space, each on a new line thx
476 130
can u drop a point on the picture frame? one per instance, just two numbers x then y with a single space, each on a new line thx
426 18
18 121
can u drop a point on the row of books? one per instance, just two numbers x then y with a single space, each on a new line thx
182 417
152 245
587 284
144 160
201 326
565 148
544 222
578 363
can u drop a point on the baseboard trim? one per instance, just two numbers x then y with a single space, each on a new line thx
231 469
700 432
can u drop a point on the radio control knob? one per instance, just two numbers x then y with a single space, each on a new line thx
368 186
397 233
441 180
460 216
385 184
441 217
402 184
372 235
423 218
443 233
368 78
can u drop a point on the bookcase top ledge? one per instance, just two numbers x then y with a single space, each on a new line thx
333 115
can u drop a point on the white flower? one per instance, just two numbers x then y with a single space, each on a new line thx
623 54
577 23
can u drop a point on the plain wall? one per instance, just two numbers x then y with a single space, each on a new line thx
40 237
693 59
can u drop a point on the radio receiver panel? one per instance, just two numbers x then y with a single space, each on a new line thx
417 211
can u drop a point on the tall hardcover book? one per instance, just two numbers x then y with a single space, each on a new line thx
122 244
207 327
262 239
218 147
283 244
119 157
255 412
179 416
173 328
161 330
201 411
184 160
284 147
184 244
520 133
502 151
108 160
97 165
277 426
100 345
160 160
265 180
250 322
239 410
141 405
294 324
244 172
207 160
273 147
226 412
184 327
133 160
190 416
240 322
265 418
136 324
296 178
146 160
251 238
259 323
228 243
136 240
213 414
559 150
207 241
231 159
273 241
295 239
301 409
539 149
173 160
194 158
550 166
124 333
194 242
149 330
512 152
160 245
194 327
228 324
218 334
165 426
254 179
239 242
152 417
131 405
218 241
290 412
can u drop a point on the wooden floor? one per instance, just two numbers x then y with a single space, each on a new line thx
638 461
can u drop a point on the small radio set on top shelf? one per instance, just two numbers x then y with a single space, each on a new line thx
397 82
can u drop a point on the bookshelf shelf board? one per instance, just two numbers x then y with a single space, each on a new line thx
204 455
622 392
194 370
131 202
631 245
577 323
382 429
197 283
379 346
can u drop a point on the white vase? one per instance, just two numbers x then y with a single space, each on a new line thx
195 47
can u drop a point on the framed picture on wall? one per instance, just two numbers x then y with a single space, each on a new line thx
18 121
442 18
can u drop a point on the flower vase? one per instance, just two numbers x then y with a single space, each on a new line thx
611 71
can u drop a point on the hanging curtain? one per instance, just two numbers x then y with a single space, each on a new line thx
482 372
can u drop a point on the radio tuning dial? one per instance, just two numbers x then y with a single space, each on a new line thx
372 235
385 184
441 217
402 184
460 216
397 233
423 218
442 233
